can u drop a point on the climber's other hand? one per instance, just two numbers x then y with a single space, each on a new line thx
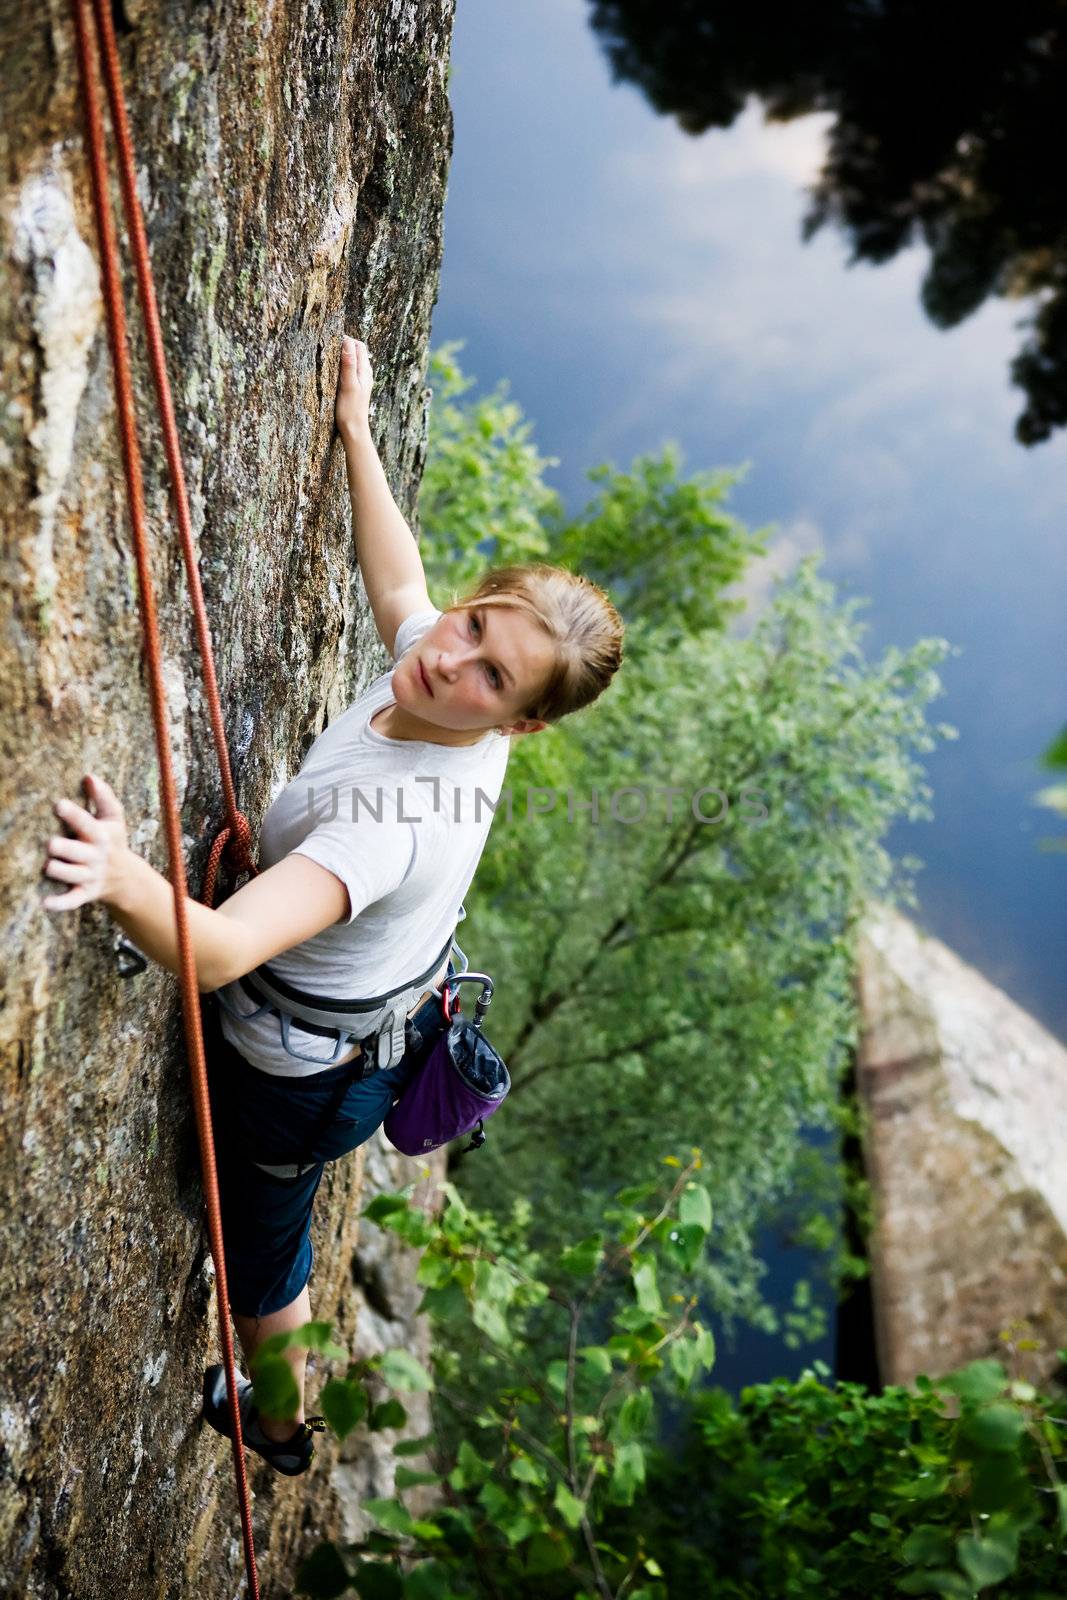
92 861
355 380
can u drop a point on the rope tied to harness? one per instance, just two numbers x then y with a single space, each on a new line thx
233 843
233 846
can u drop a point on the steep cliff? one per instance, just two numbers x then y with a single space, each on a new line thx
967 1102
292 168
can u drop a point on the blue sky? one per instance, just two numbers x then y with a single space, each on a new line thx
635 284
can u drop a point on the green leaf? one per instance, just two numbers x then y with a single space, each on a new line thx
634 1415
999 1482
997 1428
517 1529
310 1336
597 1359
456 1527
486 1316
378 1580
927 1544
568 1505
275 1387
684 1360
390 1514
627 1473
413 1447
408 1478
343 1404
953 1584
470 1469
694 1207
581 1259
497 1502
979 1381
644 1280
446 1303
526 1470
385 1207
430 1580
705 1343
414 1227
389 1414
556 1376
548 1551
323 1575
931 1488
1056 754
401 1371
985 1560
683 1245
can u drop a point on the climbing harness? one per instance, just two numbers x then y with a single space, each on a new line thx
380 1017
233 842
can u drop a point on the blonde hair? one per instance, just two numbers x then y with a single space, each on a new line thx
579 618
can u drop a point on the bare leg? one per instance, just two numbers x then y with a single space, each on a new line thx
253 1330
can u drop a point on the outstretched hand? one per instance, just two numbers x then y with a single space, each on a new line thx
92 860
355 380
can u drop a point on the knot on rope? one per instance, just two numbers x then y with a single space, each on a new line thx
234 845
238 846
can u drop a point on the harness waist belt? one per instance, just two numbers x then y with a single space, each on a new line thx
357 1017
380 1017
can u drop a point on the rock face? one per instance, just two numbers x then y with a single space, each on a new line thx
967 1157
292 161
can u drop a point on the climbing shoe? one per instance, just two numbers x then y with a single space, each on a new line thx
292 1456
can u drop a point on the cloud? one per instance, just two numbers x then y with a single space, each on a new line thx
797 539
750 148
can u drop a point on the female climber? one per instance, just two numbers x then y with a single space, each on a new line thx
365 857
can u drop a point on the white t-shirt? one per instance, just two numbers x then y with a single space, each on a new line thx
403 824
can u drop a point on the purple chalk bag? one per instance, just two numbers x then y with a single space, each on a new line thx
462 1081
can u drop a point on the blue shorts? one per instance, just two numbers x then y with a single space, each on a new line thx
260 1117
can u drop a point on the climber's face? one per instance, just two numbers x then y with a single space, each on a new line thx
476 669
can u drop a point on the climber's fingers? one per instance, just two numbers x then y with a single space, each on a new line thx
103 797
83 822
70 849
355 380
70 871
93 859
67 902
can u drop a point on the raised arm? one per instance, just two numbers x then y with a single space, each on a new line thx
385 546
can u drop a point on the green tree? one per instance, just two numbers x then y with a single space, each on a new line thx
685 976
948 126
550 1376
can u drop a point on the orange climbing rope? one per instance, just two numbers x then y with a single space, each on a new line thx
234 838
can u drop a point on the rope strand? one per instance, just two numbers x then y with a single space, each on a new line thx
239 854
117 337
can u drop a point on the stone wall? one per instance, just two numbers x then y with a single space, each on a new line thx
967 1102
292 161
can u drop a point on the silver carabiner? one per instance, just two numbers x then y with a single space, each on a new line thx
482 1003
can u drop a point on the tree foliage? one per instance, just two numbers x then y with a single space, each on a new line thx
550 1483
677 966
948 126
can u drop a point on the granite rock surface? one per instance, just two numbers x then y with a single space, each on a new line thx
292 161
